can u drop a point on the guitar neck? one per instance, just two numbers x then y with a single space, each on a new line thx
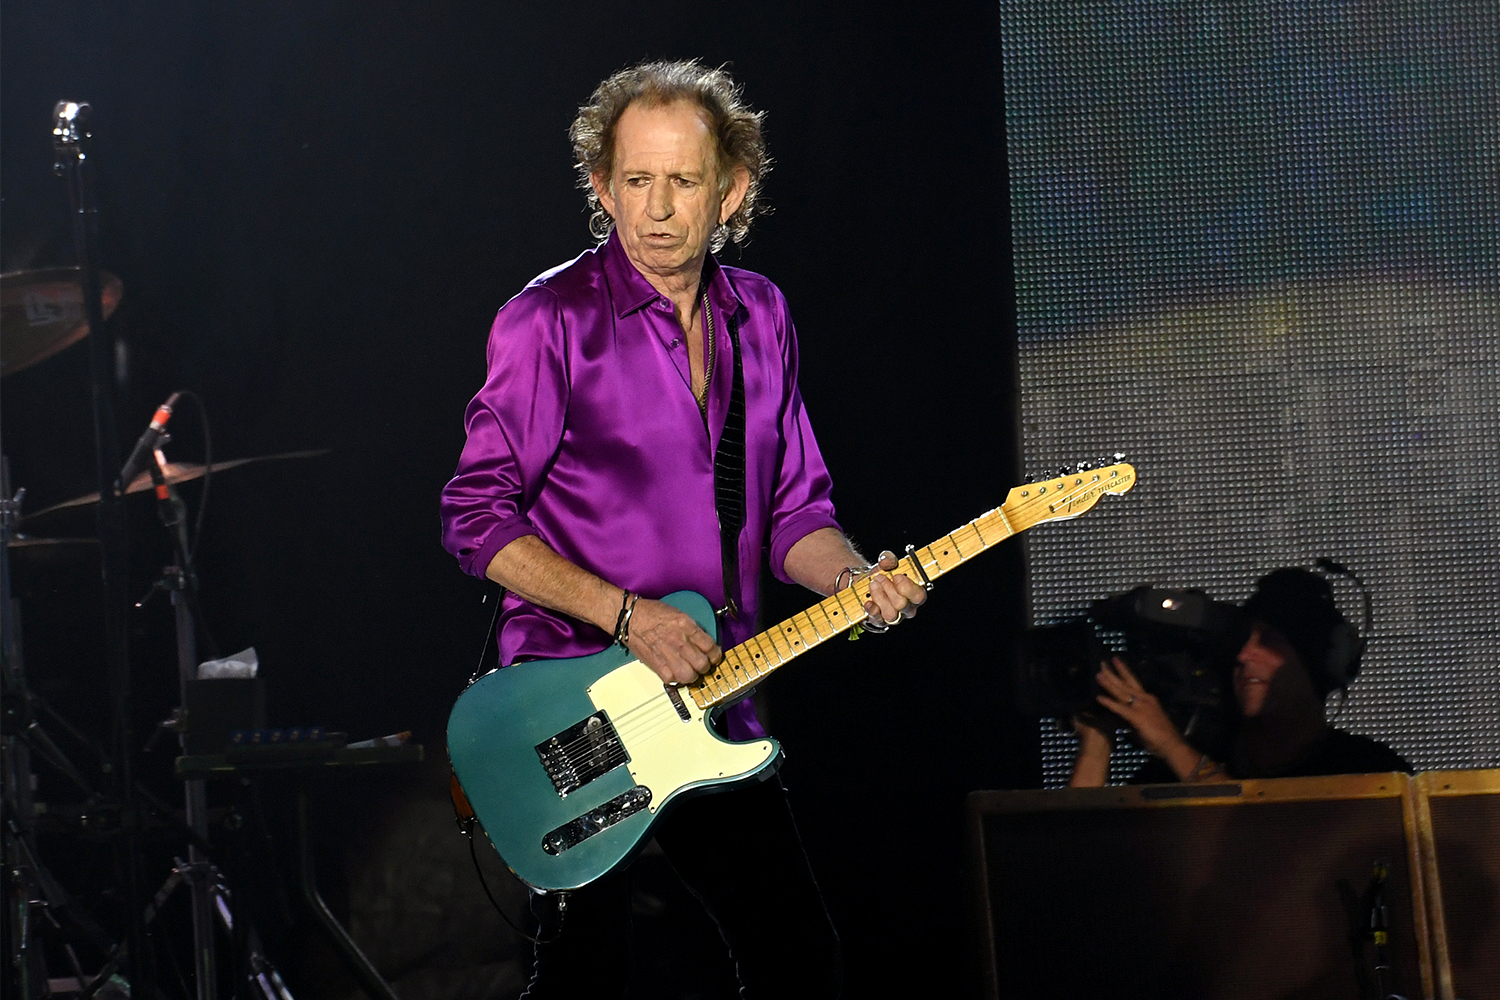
747 664
751 661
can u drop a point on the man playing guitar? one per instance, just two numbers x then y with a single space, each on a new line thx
640 432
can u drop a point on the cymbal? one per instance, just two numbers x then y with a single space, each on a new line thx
42 551
41 312
177 472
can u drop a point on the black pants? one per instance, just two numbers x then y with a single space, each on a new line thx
739 853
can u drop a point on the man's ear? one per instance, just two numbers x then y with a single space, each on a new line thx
602 189
739 183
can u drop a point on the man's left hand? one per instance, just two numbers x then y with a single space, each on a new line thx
893 596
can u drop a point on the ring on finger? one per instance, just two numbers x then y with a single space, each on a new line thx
1130 700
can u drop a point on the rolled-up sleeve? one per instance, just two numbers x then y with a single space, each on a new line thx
802 500
514 426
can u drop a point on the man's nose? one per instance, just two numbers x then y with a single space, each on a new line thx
659 202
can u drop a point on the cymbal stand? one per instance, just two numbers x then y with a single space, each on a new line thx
209 899
34 900
180 580
22 895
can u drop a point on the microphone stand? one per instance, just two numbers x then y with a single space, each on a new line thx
180 580
74 163
1380 930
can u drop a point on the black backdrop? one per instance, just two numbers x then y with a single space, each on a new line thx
316 208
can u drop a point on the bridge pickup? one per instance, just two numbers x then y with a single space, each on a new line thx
596 820
581 753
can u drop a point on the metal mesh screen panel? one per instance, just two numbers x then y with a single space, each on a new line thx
1256 250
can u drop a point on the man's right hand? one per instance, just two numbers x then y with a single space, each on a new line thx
668 641
1091 766
1128 698
671 642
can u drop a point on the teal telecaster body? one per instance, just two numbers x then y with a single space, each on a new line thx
627 742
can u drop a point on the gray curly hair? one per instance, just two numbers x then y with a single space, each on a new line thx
735 127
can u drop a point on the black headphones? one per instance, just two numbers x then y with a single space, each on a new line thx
1299 604
1346 644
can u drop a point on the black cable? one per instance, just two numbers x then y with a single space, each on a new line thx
192 542
208 462
473 853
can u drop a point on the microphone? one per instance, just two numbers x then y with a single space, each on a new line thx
155 434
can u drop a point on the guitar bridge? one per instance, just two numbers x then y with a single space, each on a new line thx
581 753
596 820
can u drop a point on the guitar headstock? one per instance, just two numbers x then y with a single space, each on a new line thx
1066 495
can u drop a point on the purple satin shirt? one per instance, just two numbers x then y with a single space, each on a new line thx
586 434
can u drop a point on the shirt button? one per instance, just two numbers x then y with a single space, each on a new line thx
675 341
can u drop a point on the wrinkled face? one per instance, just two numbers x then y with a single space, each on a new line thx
1261 659
664 191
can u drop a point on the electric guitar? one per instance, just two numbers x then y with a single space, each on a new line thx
568 763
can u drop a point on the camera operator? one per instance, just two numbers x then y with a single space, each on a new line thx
1299 650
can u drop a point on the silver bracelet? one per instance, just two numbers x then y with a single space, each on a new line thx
848 575
622 624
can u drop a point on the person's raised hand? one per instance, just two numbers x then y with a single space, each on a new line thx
1125 696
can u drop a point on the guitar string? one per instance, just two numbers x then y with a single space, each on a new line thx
801 632
624 723
662 715
626 726
618 754
659 707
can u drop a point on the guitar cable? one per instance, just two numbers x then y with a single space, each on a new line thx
464 813
562 902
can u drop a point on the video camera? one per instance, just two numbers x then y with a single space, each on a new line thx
1180 644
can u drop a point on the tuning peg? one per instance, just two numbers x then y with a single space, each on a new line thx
1084 466
1119 456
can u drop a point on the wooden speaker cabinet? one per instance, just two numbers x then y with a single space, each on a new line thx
1244 890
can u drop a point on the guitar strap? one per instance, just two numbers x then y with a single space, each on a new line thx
729 479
